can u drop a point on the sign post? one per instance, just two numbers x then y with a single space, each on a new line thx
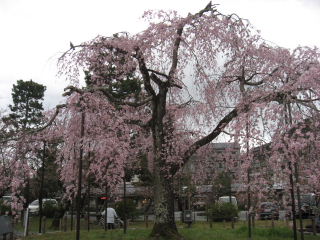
26 223
187 217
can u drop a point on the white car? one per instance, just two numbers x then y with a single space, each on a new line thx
34 206
226 199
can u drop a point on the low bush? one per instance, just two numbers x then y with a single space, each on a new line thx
222 211
4 208
49 209
130 209
58 214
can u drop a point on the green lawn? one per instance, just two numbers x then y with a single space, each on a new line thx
201 231
34 225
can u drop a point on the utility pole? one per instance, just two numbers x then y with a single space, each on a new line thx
124 203
88 193
288 121
106 210
296 176
80 176
249 188
88 207
41 186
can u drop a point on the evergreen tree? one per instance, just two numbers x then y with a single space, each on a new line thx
222 185
52 186
27 97
26 113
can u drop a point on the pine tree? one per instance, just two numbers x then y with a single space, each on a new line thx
26 113
27 97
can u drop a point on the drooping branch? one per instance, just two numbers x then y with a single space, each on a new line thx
71 49
36 130
241 108
234 135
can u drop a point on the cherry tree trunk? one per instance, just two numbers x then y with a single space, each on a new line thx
165 225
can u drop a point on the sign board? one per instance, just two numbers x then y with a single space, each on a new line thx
26 222
5 225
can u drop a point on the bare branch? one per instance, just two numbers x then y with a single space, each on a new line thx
156 79
309 105
158 73
189 102
178 39
144 71
211 136
175 51
306 100
71 49
175 85
58 107
32 131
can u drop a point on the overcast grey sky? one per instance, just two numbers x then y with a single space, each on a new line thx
34 33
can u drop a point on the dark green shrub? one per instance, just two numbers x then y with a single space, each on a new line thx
58 214
60 211
49 209
4 208
222 211
130 210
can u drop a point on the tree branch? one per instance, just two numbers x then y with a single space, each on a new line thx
247 81
211 136
58 107
157 80
138 123
105 90
144 71
178 39
241 108
175 52
71 49
158 73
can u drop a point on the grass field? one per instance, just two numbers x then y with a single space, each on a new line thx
198 231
